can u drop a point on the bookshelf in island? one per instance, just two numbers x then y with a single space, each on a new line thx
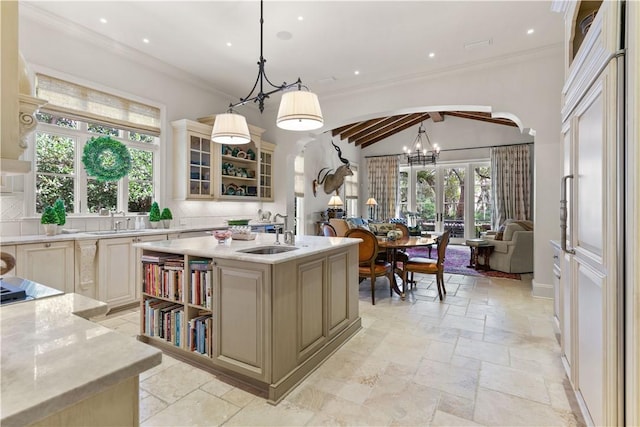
265 319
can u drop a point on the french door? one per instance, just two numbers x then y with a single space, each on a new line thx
454 197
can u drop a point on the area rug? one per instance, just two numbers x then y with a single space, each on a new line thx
457 261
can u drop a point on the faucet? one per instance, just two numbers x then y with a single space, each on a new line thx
115 226
279 228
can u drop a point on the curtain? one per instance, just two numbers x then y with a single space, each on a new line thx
382 174
511 183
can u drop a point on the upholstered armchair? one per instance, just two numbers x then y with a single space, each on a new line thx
514 253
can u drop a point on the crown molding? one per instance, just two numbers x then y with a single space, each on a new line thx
544 51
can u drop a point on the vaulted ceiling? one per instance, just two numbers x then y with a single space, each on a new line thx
368 132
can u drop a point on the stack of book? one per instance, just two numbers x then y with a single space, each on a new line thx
163 276
201 283
199 337
163 319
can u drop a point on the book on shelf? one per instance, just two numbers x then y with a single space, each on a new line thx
155 257
200 264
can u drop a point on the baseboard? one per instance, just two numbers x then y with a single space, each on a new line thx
541 290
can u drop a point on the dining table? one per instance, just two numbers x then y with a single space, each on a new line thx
393 246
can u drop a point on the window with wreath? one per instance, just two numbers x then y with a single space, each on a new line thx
94 150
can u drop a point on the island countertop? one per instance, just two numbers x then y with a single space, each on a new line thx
208 247
52 357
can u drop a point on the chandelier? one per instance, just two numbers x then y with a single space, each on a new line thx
299 109
418 154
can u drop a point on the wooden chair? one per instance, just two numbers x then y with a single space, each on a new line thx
429 266
368 267
328 230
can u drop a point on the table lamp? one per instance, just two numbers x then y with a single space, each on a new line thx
334 206
371 202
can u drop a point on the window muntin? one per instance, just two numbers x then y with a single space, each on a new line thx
60 173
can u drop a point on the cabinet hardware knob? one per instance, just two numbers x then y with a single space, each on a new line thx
47 245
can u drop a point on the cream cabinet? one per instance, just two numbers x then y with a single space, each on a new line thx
118 269
205 170
48 263
266 171
272 324
591 305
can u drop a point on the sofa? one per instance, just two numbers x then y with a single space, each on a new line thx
513 249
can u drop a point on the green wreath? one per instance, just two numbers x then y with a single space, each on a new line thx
106 159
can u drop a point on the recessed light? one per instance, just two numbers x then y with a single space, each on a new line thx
300 18
531 31
431 54
228 43
356 72
145 41
103 20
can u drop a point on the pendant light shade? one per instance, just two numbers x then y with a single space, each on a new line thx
299 111
231 129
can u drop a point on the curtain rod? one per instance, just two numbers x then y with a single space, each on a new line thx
454 149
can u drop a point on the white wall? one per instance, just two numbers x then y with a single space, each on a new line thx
527 87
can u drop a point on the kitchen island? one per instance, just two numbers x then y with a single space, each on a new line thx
267 319
58 368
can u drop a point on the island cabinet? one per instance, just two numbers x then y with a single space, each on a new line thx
48 263
118 269
267 324
206 170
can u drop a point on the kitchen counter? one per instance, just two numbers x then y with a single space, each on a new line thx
208 247
104 234
54 361
271 318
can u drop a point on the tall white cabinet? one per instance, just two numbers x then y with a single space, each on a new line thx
590 308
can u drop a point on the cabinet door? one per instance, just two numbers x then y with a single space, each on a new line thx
116 271
50 264
241 317
266 184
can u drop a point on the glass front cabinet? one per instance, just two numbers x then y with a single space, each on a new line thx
206 170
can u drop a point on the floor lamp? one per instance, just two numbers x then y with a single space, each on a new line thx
371 202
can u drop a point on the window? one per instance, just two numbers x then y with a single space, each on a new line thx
75 114
482 197
59 171
351 192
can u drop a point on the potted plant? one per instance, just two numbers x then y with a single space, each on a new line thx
61 212
49 221
166 217
154 215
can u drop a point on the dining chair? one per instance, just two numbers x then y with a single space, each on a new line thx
429 266
328 230
368 266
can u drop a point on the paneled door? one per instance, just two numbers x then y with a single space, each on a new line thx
439 198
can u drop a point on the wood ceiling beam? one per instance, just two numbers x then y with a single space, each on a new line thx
436 116
360 127
411 120
480 116
389 121
341 129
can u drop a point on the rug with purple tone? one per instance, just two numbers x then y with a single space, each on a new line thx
457 261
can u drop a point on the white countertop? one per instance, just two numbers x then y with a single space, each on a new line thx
87 235
208 247
52 358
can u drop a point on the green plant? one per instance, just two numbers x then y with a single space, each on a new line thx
106 159
166 214
49 216
154 213
60 211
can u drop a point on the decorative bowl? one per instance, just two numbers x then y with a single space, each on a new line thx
222 235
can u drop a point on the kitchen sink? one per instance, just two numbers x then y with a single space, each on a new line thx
268 250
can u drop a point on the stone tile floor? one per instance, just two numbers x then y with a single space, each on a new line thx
487 355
